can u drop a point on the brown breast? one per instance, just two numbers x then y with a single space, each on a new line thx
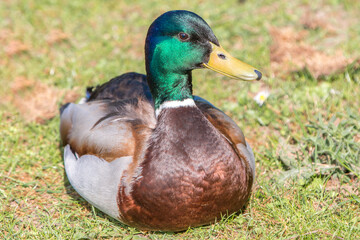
190 176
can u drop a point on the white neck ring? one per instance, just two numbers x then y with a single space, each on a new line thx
175 104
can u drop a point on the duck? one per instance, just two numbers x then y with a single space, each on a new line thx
146 151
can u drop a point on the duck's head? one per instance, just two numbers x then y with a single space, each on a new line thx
178 42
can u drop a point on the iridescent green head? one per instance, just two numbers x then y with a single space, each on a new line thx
178 42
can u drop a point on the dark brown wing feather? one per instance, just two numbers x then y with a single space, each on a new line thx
126 86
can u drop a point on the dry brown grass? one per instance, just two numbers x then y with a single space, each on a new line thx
37 101
55 36
289 53
291 50
15 47
348 189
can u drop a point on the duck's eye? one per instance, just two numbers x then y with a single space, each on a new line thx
183 36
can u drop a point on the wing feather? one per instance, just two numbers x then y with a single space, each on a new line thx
106 129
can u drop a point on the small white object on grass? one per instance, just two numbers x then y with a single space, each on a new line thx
261 97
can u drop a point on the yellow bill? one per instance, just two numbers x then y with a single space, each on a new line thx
222 62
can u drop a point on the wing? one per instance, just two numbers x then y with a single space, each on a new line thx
107 129
112 125
126 86
117 117
228 128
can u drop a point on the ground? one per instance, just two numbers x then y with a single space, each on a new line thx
305 131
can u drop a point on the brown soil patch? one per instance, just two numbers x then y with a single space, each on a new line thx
5 34
315 20
15 47
353 187
55 36
332 19
37 101
290 53
357 138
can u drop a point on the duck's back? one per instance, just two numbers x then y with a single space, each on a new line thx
126 86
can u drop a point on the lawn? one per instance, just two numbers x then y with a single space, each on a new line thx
305 136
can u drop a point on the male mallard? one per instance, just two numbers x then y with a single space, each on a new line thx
147 152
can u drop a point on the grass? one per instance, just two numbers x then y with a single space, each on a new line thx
306 136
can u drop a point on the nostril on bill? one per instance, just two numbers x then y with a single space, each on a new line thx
222 56
258 74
